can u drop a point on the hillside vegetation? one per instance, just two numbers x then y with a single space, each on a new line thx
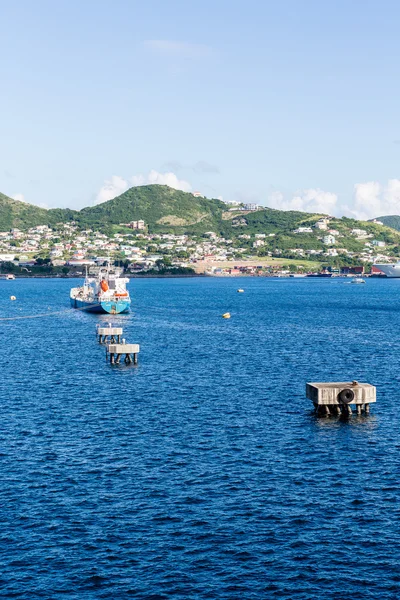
22 215
392 221
166 210
160 206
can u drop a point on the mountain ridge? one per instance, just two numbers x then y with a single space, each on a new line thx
166 210
161 207
392 221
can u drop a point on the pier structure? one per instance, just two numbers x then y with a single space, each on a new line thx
338 398
114 352
109 334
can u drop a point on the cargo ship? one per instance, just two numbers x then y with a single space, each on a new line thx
103 291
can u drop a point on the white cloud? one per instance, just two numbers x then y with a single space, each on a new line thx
371 200
169 178
117 185
391 198
311 200
19 197
111 189
367 201
173 48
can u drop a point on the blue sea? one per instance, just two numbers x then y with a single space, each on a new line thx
201 472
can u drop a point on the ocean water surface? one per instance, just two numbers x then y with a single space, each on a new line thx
201 472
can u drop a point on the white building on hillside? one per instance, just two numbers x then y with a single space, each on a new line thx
321 224
359 233
303 230
329 239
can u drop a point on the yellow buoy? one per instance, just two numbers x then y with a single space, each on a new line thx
13 298
240 290
226 315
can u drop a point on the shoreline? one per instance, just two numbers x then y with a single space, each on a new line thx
136 276
202 275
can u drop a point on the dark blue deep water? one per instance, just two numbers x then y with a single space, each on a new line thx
201 472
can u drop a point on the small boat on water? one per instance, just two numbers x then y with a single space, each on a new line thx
358 280
8 277
103 292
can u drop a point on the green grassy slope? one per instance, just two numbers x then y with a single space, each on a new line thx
160 206
391 221
22 215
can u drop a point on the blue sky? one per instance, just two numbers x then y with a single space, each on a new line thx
292 104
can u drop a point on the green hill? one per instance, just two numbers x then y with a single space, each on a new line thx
161 207
392 221
14 213
166 210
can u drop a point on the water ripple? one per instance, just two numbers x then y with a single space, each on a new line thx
201 472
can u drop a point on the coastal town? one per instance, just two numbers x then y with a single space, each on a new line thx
67 250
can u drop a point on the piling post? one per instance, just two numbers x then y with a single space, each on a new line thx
349 410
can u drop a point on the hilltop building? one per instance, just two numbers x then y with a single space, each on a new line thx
137 224
250 206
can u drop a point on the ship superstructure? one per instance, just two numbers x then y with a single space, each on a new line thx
103 291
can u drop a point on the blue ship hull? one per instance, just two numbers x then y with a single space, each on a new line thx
110 307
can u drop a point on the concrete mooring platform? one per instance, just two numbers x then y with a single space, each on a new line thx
115 351
109 334
337 398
